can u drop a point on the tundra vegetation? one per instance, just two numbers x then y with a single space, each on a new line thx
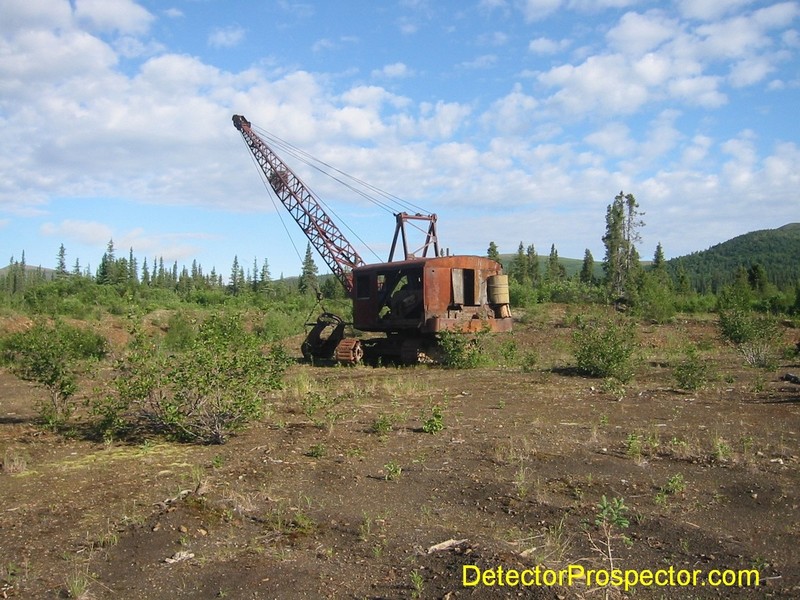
160 437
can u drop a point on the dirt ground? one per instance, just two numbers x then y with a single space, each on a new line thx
341 493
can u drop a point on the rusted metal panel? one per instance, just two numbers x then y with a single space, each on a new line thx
427 295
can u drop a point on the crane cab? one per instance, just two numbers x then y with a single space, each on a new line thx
428 295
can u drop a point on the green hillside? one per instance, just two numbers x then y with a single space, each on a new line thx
776 250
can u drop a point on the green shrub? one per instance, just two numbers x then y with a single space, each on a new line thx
606 349
52 355
755 336
463 350
691 372
656 301
213 389
181 332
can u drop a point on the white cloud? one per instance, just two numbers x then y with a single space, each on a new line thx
750 71
637 34
495 38
513 114
707 10
83 232
536 10
697 151
700 91
20 15
543 45
394 71
613 139
123 16
226 37
481 62
158 130
603 83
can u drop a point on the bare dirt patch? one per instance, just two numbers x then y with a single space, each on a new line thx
340 493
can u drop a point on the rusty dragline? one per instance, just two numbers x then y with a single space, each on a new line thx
408 300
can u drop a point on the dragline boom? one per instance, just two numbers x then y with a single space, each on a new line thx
321 231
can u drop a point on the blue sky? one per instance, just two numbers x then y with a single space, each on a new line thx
512 120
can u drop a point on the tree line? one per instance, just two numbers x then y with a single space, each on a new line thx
760 269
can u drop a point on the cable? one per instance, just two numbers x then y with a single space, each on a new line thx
313 162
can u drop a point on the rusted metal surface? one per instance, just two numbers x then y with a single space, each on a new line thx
349 351
428 295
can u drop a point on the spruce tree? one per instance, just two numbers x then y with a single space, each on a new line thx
145 273
555 270
493 252
61 265
519 267
622 233
532 259
105 272
587 268
235 284
308 277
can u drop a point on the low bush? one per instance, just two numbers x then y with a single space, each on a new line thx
213 389
606 349
463 350
692 371
52 355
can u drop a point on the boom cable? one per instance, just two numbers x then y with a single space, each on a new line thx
391 202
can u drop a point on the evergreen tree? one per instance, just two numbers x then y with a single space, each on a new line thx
587 268
659 267
105 272
622 234
493 252
61 265
659 262
682 277
145 273
519 267
236 281
796 306
161 276
255 283
308 276
757 276
555 270
265 283
133 274
76 268
532 260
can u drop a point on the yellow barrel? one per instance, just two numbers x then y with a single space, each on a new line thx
498 289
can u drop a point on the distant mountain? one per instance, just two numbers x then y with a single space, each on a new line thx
776 250
47 273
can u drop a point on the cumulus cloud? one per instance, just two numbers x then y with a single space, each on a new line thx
637 34
394 71
226 37
543 45
709 9
123 16
480 62
81 118
83 232
536 10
